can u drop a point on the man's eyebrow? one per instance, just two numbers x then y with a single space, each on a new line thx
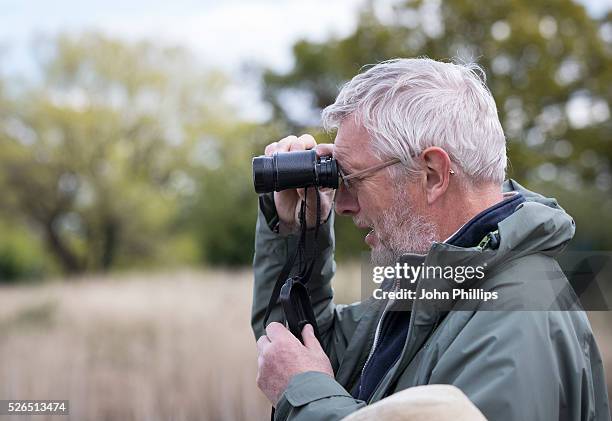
343 161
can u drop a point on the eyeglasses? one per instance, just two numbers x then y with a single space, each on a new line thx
368 171
365 172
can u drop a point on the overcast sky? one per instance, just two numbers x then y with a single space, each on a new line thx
222 33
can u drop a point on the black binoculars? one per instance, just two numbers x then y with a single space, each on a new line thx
291 170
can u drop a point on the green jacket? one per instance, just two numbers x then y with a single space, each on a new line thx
513 365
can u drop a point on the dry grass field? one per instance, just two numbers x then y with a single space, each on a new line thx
168 346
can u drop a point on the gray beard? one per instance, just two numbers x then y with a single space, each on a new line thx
401 231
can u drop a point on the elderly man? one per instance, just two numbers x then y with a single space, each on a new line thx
443 203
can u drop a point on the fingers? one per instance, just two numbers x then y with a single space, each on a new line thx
262 343
291 143
297 146
283 145
271 149
309 338
325 149
301 193
312 198
308 141
277 331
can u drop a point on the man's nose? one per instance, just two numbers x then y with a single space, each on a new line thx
346 204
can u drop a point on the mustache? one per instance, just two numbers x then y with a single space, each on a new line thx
362 223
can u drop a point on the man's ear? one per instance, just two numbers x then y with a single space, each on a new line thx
437 172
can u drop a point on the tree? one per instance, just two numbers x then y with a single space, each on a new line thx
222 214
92 157
548 64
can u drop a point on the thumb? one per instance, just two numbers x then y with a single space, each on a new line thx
301 193
309 338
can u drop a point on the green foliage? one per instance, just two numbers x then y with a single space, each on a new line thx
95 157
125 154
21 257
224 212
548 64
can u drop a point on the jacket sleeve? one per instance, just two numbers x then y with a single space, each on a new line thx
524 365
337 323
315 396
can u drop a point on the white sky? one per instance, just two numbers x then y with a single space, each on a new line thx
223 34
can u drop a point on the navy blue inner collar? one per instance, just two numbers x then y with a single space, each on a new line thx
470 234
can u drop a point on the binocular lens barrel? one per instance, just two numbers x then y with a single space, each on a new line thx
291 170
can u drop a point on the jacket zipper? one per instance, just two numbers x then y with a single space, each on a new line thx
377 334
375 344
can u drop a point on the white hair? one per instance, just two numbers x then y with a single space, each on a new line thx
408 105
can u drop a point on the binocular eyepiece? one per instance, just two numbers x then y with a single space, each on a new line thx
291 170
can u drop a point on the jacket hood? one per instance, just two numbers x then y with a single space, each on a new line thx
538 225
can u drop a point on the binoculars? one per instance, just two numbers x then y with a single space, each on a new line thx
291 170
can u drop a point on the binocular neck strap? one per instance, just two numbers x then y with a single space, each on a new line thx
304 269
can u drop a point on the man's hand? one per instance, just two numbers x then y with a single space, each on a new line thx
288 201
282 356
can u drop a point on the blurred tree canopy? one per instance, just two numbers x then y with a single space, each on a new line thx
127 154
98 160
548 64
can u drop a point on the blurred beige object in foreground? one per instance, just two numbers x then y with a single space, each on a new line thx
422 403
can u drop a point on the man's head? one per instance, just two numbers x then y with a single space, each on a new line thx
440 121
